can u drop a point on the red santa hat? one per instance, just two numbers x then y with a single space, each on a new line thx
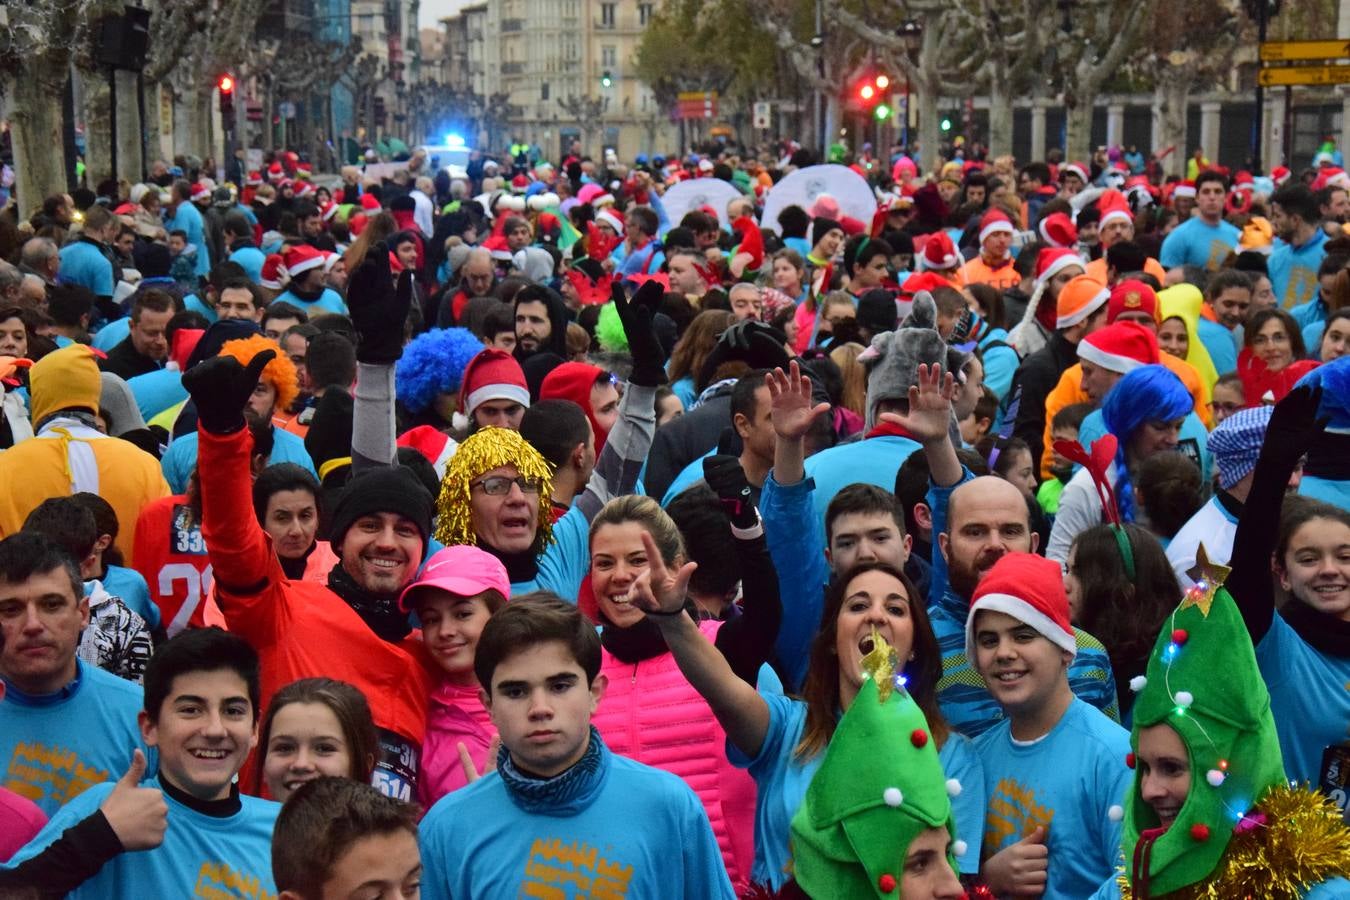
275 172
752 241
1112 205
273 273
492 375
370 201
432 443
303 188
939 253
1053 260
300 258
1279 175
1058 230
253 179
1120 347
608 216
995 221
328 210
1184 189
330 259
199 191
1075 168
1030 589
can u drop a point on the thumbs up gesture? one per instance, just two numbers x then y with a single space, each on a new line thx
138 815
1021 869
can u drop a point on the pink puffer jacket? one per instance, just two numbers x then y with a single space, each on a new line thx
455 715
650 713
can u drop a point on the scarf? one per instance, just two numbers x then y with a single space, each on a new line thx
295 568
520 567
642 640
307 296
555 795
379 611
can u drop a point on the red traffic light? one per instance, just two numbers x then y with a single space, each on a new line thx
867 92
226 84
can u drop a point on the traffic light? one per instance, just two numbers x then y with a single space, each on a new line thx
882 112
606 80
871 92
226 86
946 124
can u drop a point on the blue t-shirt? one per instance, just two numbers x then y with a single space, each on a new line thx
684 389
626 831
871 461
564 563
1197 243
1067 780
1310 313
781 780
181 457
157 391
188 219
111 334
1000 362
252 259
329 301
193 303
83 264
1293 270
1335 491
130 586
55 747
1309 698
1220 343
228 858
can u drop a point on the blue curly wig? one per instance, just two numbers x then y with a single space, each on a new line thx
433 363
1148 394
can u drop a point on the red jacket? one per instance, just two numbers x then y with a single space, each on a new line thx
302 629
171 556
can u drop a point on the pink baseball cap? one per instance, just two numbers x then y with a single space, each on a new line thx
461 570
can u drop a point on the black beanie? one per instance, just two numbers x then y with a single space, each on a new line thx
391 489
821 226
877 311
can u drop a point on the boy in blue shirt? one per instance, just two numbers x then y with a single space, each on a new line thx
201 713
562 815
337 838
1205 239
1055 767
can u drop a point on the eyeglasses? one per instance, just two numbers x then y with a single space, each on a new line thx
500 484
1226 408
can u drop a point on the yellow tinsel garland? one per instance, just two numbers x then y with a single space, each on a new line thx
1302 843
482 452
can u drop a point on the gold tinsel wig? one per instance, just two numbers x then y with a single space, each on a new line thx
482 452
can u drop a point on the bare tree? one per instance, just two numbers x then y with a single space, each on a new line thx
1102 37
172 25
38 42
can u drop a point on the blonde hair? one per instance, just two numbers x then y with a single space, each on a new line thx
854 394
647 513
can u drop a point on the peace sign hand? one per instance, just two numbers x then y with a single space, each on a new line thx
659 590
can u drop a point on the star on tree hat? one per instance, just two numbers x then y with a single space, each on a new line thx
879 786
1203 681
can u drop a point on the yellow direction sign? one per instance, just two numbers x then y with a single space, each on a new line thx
1284 51
1304 75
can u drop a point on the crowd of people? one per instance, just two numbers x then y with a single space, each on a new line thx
506 535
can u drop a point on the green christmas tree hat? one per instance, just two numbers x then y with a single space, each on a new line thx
879 786
1203 681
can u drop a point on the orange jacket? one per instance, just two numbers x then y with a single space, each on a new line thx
1070 391
1097 269
301 629
1001 277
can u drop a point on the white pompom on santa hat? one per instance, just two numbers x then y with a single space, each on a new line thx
939 253
301 258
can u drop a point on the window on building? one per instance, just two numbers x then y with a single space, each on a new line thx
644 14
609 55
543 90
607 15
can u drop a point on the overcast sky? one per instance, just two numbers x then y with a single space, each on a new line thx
430 12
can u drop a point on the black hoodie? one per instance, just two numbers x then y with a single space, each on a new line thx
557 315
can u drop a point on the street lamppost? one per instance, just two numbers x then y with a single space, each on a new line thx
910 33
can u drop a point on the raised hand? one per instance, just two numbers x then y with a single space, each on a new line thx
930 406
378 309
658 589
221 387
1020 870
649 359
791 411
471 773
137 815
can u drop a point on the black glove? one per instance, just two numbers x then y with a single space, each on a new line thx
761 346
378 310
725 476
649 359
1294 424
220 388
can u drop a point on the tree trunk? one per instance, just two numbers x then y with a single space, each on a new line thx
97 126
1000 115
154 150
832 115
130 165
1173 96
930 126
1078 142
39 147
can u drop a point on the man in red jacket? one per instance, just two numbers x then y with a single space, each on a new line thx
352 629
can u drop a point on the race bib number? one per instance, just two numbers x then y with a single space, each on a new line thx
1335 778
395 772
185 536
